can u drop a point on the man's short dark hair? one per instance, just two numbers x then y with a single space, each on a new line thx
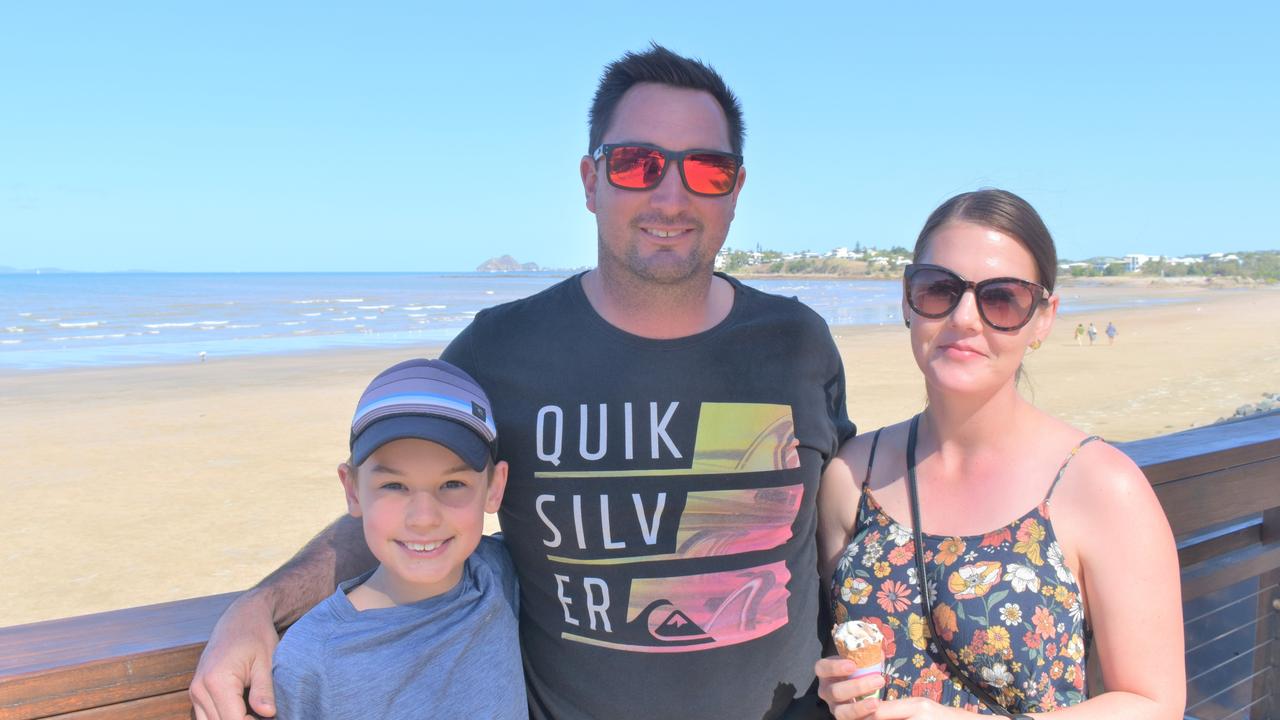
660 65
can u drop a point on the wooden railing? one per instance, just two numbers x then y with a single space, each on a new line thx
1220 488
1219 485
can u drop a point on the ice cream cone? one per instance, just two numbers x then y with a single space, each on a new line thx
860 642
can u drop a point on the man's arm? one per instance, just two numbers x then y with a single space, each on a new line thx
238 655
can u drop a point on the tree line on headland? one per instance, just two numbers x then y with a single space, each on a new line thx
1263 265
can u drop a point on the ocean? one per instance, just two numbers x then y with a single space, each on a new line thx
76 320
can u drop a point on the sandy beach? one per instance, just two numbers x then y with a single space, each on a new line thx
135 485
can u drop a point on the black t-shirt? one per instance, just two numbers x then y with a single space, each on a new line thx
661 503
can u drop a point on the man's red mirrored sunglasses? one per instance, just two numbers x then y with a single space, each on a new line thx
639 166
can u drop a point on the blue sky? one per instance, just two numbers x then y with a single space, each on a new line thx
321 136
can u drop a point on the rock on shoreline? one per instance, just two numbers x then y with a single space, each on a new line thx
1270 402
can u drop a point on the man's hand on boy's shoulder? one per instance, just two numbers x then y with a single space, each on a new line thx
238 656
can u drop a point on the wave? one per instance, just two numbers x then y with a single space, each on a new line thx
213 322
86 337
165 325
15 329
349 300
10 342
374 307
88 324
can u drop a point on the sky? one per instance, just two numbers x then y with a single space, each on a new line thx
314 136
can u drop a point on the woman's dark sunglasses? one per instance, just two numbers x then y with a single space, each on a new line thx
1004 303
638 166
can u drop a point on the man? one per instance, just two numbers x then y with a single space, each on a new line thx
665 429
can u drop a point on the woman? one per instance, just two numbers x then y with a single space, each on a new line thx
1032 536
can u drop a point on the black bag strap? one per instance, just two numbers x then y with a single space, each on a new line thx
974 689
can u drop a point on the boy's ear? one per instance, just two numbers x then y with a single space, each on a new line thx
497 486
347 474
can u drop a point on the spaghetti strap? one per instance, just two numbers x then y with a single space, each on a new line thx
875 440
1067 462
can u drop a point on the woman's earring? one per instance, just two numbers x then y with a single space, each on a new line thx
1035 344
907 320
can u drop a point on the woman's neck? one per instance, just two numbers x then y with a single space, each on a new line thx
961 424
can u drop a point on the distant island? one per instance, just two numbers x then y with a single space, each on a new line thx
506 263
7 270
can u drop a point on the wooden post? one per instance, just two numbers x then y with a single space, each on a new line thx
1266 659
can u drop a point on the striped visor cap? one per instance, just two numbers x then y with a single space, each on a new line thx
429 400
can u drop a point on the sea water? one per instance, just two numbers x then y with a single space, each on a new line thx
68 320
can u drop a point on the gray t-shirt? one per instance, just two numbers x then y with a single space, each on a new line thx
453 655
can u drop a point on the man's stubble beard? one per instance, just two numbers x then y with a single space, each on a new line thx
664 268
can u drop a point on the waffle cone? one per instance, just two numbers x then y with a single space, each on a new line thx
863 657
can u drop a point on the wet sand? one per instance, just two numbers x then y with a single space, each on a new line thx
136 485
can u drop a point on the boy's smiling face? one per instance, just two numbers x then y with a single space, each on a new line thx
423 513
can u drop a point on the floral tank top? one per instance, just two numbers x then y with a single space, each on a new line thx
1005 604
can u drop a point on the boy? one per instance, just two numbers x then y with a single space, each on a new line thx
431 631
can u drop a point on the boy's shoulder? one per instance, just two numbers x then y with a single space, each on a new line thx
302 642
492 555
492 551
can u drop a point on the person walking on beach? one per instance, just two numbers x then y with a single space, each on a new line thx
1111 333
665 428
984 539
1093 333
1079 333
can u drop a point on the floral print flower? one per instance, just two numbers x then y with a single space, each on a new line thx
973 581
1029 537
1043 622
1054 555
1022 577
1011 614
1075 648
949 551
855 590
889 644
882 569
893 596
996 675
944 619
929 684
997 640
871 552
902 555
997 538
898 535
917 630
